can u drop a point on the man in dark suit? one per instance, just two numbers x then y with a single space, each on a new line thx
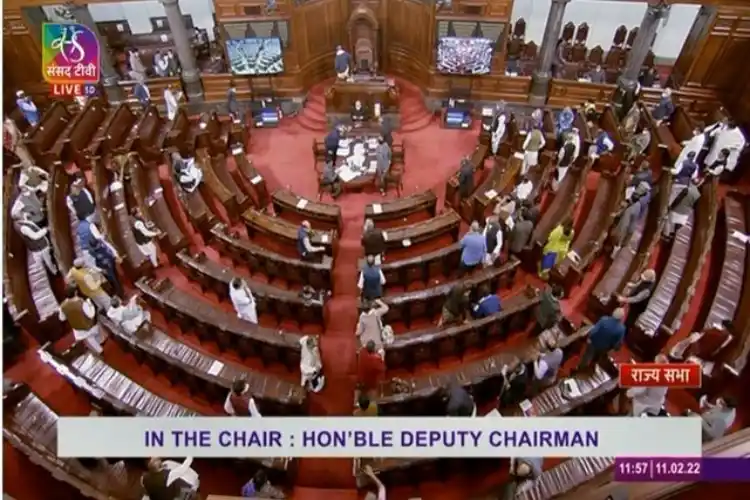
332 143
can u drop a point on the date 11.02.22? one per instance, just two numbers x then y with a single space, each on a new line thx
662 469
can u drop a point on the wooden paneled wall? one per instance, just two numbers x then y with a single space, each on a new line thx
22 59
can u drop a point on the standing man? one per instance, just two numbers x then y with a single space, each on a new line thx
233 106
306 249
383 164
171 101
81 202
731 138
332 143
638 143
548 313
534 143
493 233
240 402
136 64
28 108
499 129
89 282
548 363
370 369
603 145
371 279
648 400
104 255
243 300
330 178
565 158
342 63
466 178
141 90
473 249
373 241
131 316
37 242
687 170
144 235
521 233
81 316
684 199
27 204
605 336
458 401
664 110
14 142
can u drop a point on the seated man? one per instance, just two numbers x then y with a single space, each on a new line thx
548 363
358 113
705 345
522 470
131 316
170 479
603 145
717 418
34 178
311 365
330 179
458 401
186 172
487 305
597 75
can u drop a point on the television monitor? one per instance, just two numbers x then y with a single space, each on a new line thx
464 55
255 56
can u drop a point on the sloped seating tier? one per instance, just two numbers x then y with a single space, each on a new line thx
402 208
180 135
112 135
286 232
563 478
446 223
148 135
59 218
83 133
213 134
428 303
633 257
30 426
118 395
559 210
205 375
540 175
224 328
729 290
220 167
589 241
676 287
424 268
250 179
419 346
198 211
136 263
149 195
212 187
482 378
681 124
280 303
274 266
451 186
325 215
42 137
499 182
156 86
661 133
596 390
608 122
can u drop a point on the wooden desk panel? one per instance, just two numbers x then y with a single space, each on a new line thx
324 214
341 95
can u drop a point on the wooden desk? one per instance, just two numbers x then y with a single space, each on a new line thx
341 95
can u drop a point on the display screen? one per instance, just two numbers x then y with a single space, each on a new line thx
464 55
255 56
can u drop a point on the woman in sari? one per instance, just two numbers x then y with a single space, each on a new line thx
557 247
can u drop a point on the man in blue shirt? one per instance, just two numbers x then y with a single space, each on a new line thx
487 305
606 335
473 249
332 143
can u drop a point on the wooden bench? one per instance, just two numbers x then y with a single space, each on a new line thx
428 303
609 123
423 268
220 168
402 208
224 328
278 302
113 134
198 211
149 195
74 144
326 215
559 210
550 134
213 134
590 240
446 223
676 287
410 349
661 133
477 158
180 134
634 255
212 187
148 135
118 395
204 374
540 175
272 265
564 92
59 218
156 87
42 137
286 232
498 183
136 263
253 183
564 477
102 179
30 426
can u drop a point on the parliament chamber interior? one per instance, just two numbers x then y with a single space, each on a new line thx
229 227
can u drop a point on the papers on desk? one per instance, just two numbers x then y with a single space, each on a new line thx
584 80
406 242
485 126
216 368
527 407
202 125
487 112
236 121
573 255
345 173
744 238
237 151
570 389
344 152
256 180
518 156
372 143
494 413
385 236
344 143
324 238
377 208
491 194
302 203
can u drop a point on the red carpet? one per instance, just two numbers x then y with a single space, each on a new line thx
285 159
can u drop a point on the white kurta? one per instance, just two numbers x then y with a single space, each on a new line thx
498 134
695 144
731 139
310 362
244 303
647 399
130 316
170 101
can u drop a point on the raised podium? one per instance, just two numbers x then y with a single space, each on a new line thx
371 90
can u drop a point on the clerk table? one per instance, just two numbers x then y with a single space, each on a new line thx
340 97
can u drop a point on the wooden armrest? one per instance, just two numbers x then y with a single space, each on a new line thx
730 369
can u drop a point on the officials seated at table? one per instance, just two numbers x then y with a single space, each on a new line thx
359 114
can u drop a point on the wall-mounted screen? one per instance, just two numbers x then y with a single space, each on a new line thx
255 56
464 55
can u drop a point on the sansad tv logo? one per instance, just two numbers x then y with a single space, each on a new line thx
70 59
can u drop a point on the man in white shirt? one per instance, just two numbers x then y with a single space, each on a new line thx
243 300
144 234
523 189
161 479
188 174
380 495
130 316
648 400
81 315
30 172
239 402
171 101
311 365
37 242
493 233
27 205
728 136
